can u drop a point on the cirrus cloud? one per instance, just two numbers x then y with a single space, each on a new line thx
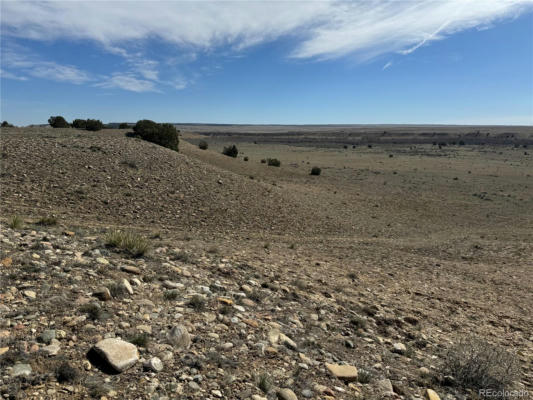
322 29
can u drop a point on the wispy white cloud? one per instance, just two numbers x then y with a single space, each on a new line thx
388 65
18 58
9 75
322 29
127 82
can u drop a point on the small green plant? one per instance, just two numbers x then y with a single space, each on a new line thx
93 311
273 162
316 171
15 222
203 145
197 302
117 290
264 382
246 158
231 151
364 376
172 294
182 256
128 242
66 373
141 339
47 221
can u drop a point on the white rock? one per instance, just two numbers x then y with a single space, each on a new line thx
120 355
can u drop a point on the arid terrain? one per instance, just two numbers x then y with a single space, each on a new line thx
261 281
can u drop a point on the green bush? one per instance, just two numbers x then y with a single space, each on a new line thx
129 242
246 158
58 122
230 151
123 125
94 125
273 162
162 134
79 123
15 222
203 145
315 171
6 124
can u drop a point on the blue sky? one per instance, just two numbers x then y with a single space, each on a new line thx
386 61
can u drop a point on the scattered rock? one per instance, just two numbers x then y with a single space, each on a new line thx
432 395
154 364
21 370
344 372
120 355
179 337
286 394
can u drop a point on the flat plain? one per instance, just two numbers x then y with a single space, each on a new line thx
420 236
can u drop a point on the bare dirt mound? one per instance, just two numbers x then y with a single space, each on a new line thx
112 178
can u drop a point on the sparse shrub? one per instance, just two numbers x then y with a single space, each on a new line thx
476 364
263 161
130 163
129 242
203 145
66 373
15 222
116 290
6 124
358 322
47 221
316 171
273 162
264 383
171 294
58 122
94 125
162 134
197 302
181 256
123 125
246 158
231 151
141 339
79 123
93 311
364 376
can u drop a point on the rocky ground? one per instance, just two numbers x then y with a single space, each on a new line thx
265 304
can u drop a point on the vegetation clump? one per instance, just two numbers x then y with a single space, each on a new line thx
231 151
164 135
475 364
94 125
66 373
47 221
123 125
203 145
15 222
79 123
273 162
129 242
58 122
316 171
6 124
